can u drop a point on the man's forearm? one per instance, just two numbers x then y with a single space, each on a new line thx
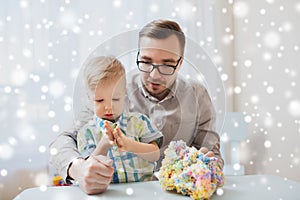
218 155
63 150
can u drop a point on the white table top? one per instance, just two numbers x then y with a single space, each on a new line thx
236 187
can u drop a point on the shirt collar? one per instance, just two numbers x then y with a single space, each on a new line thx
145 93
100 122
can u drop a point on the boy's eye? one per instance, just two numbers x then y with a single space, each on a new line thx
99 100
116 99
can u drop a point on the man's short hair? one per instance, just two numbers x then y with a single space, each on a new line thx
161 29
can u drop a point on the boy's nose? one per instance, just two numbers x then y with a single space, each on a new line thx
108 107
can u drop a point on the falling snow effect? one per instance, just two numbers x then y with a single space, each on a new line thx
43 44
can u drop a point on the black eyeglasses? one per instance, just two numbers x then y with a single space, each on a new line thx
163 69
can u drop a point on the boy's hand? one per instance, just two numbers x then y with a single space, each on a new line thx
109 133
106 141
122 141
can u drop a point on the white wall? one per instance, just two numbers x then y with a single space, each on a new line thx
43 43
266 51
42 46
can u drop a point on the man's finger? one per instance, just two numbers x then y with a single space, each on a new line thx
210 154
104 160
203 150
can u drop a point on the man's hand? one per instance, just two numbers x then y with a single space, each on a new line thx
93 175
206 153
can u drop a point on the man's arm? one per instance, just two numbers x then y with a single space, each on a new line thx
92 174
206 135
213 152
63 150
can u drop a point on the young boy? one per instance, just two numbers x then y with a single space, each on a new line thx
129 139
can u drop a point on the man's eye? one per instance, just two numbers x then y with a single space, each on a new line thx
116 99
99 100
145 63
169 65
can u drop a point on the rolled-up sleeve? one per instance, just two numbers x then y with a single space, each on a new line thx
205 134
63 150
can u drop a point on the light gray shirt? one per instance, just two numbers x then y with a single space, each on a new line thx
187 113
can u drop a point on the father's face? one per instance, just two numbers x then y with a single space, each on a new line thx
159 51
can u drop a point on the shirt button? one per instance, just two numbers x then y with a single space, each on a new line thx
158 125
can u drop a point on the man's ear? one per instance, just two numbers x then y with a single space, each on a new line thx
180 63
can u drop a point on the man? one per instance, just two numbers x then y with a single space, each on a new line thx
181 109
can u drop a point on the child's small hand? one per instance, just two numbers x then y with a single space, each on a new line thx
109 133
122 141
106 141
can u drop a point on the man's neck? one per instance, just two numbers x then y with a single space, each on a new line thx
161 95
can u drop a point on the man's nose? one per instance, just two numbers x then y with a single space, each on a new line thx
155 74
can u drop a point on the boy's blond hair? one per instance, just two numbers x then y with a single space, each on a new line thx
103 68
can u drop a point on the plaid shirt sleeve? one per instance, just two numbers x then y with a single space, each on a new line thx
147 131
86 140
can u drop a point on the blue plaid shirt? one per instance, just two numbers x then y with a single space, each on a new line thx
128 167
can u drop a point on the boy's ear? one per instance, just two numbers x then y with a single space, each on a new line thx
90 96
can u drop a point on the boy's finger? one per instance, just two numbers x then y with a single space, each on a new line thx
118 130
115 134
107 126
111 137
111 142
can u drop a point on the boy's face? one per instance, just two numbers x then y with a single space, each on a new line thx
109 98
159 51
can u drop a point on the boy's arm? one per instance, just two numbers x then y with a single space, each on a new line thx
102 147
148 151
